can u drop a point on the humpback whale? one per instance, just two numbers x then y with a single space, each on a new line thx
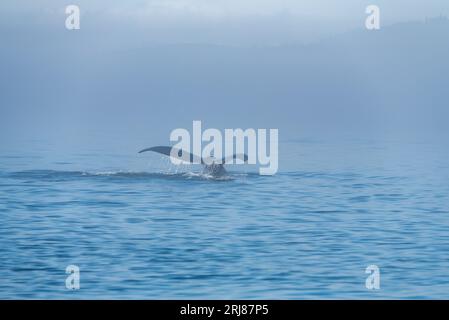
211 166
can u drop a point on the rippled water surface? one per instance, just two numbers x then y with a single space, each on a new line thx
308 232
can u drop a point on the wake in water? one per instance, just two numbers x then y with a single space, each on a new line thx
54 175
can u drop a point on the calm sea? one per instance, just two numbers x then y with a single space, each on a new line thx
139 228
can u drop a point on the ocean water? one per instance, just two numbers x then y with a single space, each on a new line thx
138 228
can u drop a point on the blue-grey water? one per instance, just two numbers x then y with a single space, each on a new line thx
139 228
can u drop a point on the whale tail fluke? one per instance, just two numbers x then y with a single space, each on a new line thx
188 157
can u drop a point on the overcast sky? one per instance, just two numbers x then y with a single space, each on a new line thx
226 21
110 78
399 9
